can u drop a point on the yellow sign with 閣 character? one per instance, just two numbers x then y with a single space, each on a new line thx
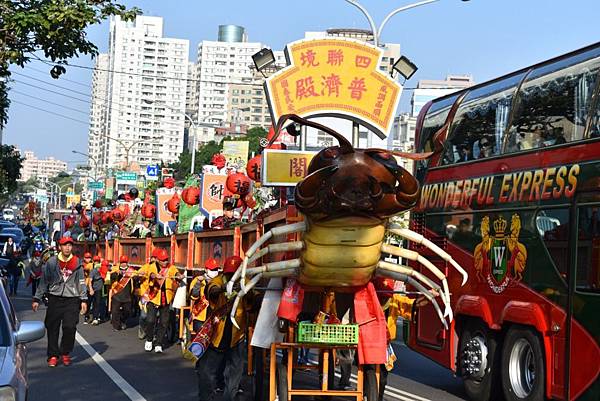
335 77
285 168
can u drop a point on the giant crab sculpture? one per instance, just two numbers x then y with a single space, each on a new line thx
347 199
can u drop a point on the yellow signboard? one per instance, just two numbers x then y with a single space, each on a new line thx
236 153
335 77
285 168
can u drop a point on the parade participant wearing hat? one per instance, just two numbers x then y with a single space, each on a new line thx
88 265
227 340
64 283
95 287
33 272
122 287
198 301
141 291
158 290
227 220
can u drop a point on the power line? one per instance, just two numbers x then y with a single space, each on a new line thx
51 91
51 84
50 112
61 78
50 102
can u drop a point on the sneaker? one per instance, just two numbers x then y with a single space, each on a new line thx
52 362
95 322
85 322
148 346
123 326
219 389
66 360
158 349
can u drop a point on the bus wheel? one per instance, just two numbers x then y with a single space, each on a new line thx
522 366
479 361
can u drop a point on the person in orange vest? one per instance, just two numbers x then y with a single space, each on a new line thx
226 345
143 309
158 290
198 301
122 293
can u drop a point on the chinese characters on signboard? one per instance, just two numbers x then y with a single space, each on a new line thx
335 77
285 167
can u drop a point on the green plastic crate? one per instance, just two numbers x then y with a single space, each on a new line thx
327 333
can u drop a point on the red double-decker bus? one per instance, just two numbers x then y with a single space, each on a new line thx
514 197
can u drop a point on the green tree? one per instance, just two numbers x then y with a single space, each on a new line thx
10 171
56 28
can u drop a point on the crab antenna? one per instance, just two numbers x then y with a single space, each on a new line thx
345 145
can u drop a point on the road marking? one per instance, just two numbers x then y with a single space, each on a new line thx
125 387
389 390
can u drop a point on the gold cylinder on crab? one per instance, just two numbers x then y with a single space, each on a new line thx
341 252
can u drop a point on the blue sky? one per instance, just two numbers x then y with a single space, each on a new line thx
484 38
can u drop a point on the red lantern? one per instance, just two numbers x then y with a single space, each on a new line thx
84 222
253 168
173 204
191 195
218 160
118 215
96 218
238 184
148 211
107 217
69 223
98 204
169 182
250 201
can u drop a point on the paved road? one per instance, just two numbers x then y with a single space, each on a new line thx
165 377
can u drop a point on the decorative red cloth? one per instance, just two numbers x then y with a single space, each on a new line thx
372 344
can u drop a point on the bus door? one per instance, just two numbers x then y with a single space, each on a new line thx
584 289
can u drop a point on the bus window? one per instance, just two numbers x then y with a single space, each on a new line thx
588 250
554 104
478 127
553 227
434 120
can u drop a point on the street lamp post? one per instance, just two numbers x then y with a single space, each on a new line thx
92 159
377 31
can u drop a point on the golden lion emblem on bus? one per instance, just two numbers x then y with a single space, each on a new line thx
500 258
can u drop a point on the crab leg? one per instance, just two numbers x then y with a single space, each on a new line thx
409 272
274 267
419 239
415 256
408 279
278 247
274 232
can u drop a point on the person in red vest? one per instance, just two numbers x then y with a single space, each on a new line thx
64 283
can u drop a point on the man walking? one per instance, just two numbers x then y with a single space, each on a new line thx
64 282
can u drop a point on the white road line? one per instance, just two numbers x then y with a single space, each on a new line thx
125 387
389 390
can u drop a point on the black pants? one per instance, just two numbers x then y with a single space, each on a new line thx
119 313
62 311
98 305
207 372
160 313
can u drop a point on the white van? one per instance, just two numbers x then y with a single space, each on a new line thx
8 214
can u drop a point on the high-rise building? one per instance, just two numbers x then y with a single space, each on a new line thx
191 104
42 169
428 89
145 96
223 63
98 113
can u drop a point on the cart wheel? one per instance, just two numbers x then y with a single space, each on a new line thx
371 389
282 384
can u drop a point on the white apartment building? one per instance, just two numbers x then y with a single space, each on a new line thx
98 113
42 169
429 89
191 103
220 64
146 96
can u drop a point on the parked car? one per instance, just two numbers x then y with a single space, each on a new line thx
6 224
14 334
8 214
